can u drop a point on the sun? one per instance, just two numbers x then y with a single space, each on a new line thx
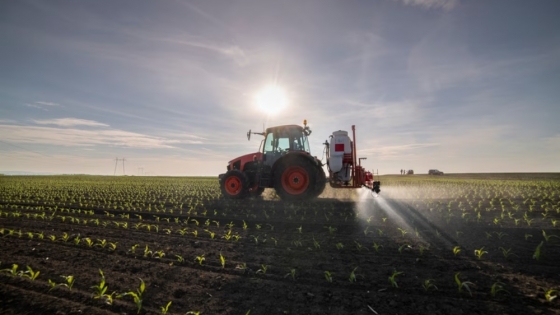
272 99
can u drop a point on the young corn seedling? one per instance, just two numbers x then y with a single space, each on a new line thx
404 247
527 236
328 276
262 270
359 246
550 295
547 237
222 261
506 252
88 241
180 258
428 285
462 284
393 279
112 246
456 250
12 271
165 309
200 259
376 247
160 254
101 289
339 246
29 273
133 248
137 296
480 252
537 253
52 285
147 252
353 276
212 234
292 273
496 288
500 234
102 243
403 231
69 282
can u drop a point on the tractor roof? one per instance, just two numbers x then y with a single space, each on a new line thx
284 127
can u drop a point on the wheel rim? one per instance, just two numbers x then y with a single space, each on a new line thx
233 185
295 180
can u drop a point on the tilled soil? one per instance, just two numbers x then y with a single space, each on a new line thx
280 263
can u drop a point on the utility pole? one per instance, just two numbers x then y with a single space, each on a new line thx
116 164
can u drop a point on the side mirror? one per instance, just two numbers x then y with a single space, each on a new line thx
249 135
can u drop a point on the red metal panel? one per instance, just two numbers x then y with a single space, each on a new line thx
338 147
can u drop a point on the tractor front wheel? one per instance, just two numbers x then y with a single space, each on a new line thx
234 185
295 179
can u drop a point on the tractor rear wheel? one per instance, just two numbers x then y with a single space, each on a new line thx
295 179
321 181
234 185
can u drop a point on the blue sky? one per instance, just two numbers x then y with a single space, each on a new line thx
463 86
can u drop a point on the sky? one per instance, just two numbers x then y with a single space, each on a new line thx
461 86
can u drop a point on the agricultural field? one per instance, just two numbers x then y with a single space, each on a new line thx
452 244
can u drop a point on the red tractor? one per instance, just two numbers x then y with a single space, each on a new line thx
285 163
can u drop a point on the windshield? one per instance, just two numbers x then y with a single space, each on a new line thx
286 139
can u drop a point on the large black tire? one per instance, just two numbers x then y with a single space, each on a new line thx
234 185
295 179
321 181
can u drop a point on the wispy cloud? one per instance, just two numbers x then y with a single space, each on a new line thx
435 4
70 122
69 137
42 105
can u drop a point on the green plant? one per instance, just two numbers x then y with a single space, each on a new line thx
480 252
200 259
101 289
456 250
537 253
462 284
328 276
137 296
222 260
12 271
29 273
428 285
339 246
550 295
69 281
393 280
353 276
500 234
262 269
496 288
547 237
506 252
292 273
165 309
376 247
404 247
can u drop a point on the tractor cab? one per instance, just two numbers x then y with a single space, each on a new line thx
282 140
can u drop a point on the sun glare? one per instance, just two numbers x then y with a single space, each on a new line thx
271 99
